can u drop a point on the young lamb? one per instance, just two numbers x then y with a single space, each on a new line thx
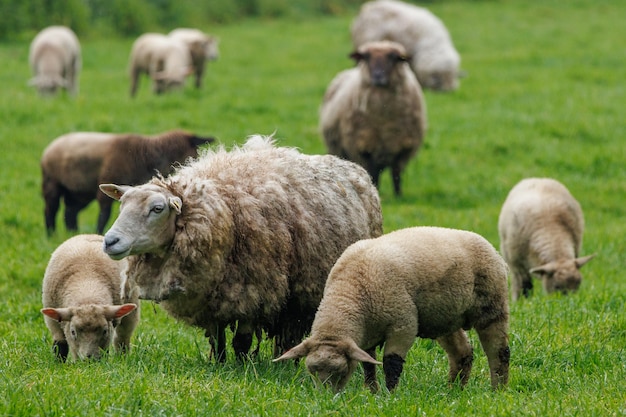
375 114
73 166
85 307
435 60
243 237
202 48
541 230
55 60
164 59
423 281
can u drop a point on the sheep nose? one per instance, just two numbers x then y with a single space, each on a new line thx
110 241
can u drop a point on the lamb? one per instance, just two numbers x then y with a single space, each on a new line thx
164 59
435 60
202 48
426 281
541 228
82 299
74 164
244 238
55 60
375 114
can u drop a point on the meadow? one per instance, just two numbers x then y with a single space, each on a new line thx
544 96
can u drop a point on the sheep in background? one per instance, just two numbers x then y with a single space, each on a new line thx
202 48
375 114
541 229
246 236
418 282
55 60
73 166
434 58
85 307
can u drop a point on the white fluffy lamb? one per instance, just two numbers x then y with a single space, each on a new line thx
417 282
434 58
541 229
165 60
85 307
202 48
375 114
55 60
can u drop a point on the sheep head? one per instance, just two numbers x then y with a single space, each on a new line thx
380 59
563 275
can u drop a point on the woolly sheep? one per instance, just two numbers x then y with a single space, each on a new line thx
74 164
426 281
164 59
55 60
202 48
375 114
541 229
82 299
434 58
245 236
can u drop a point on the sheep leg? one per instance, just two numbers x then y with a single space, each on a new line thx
105 211
242 340
52 198
521 282
369 370
217 340
460 355
395 176
495 343
392 366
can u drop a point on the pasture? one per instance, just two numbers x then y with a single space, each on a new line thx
544 96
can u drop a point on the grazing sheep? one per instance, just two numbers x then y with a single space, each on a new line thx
55 60
73 166
422 281
164 59
434 59
202 48
541 230
246 236
375 114
82 299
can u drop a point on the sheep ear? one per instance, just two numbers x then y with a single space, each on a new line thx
296 352
357 56
197 140
543 270
58 314
117 312
583 260
114 191
358 354
176 204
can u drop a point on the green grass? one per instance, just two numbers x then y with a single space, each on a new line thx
545 96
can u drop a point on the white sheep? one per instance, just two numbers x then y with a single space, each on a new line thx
375 114
541 229
55 60
166 60
85 307
423 281
434 58
202 48
246 236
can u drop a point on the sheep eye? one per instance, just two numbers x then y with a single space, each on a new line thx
73 333
105 331
158 208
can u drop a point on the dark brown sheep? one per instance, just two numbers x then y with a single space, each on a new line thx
73 166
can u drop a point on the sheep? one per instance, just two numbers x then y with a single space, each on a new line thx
82 300
375 114
435 60
164 59
541 228
427 282
245 237
202 48
74 164
55 60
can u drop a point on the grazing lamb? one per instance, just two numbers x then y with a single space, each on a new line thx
73 166
202 48
82 299
55 60
541 230
434 59
164 59
245 237
375 114
423 281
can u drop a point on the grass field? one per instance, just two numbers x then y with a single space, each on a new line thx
545 96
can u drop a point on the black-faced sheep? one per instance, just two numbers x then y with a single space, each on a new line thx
423 281
73 166
85 307
541 229
434 59
55 60
245 236
164 59
375 114
202 48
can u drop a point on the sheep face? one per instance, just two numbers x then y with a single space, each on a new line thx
562 276
379 59
48 86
